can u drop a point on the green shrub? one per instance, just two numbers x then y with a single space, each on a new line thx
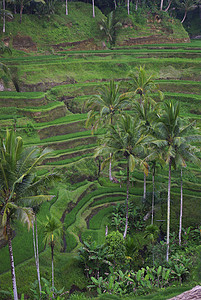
116 247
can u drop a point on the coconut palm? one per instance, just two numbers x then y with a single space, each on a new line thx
167 137
186 6
39 185
185 152
10 74
106 107
53 230
17 165
146 112
109 27
172 137
142 84
125 141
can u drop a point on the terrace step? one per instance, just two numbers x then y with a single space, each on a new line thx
68 156
45 115
8 99
72 143
61 129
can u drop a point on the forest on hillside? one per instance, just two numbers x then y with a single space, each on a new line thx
188 11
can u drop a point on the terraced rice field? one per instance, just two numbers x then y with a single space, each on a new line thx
54 116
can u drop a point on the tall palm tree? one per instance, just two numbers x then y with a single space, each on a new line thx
168 136
53 230
146 112
40 185
172 137
185 152
186 6
106 107
125 141
16 175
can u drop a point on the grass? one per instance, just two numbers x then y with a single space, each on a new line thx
100 218
162 295
43 108
21 95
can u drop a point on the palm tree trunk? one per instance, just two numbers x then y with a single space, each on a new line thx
170 1
152 209
36 253
110 168
93 4
161 6
127 196
21 10
168 212
184 17
52 253
4 16
145 187
181 209
11 260
136 5
115 4
66 7
128 6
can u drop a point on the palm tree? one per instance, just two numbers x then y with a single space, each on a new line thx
142 84
172 137
146 112
167 135
161 5
169 4
109 27
124 141
39 185
106 107
9 73
16 175
186 6
53 229
185 152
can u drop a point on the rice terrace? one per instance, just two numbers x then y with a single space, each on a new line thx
100 164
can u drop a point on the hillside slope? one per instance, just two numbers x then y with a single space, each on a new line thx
80 31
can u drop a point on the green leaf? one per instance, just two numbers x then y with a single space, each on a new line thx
131 162
159 271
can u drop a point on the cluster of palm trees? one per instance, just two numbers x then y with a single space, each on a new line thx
18 196
142 132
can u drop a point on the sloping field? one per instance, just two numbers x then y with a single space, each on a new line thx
55 118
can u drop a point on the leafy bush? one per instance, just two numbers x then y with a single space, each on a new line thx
115 244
